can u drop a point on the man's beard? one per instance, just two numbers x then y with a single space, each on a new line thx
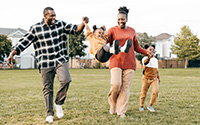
49 22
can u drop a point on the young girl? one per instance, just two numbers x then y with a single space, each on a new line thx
150 77
99 48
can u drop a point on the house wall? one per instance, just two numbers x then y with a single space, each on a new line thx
26 59
27 62
30 49
87 51
171 42
159 48
166 47
163 48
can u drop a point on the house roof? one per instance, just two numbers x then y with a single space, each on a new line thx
163 36
10 31
138 33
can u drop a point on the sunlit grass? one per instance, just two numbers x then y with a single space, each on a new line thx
21 99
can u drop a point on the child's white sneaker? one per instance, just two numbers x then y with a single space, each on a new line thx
59 111
150 108
141 109
126 47
115 47
49 119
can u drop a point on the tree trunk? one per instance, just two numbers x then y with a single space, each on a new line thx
80 63
186 63
71 62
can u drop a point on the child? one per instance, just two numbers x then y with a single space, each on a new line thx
99 48
150 77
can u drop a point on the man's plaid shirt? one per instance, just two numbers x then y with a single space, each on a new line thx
49 42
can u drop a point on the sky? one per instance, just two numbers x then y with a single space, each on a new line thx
151 16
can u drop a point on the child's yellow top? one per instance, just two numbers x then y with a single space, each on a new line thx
95 42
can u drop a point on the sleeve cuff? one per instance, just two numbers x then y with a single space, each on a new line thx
18 51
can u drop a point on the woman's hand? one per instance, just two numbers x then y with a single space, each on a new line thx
85 20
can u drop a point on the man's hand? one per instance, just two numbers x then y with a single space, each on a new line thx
85 20
10 61
10 58
82 25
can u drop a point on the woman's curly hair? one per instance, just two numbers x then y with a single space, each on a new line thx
123 10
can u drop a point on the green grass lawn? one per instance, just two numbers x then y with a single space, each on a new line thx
21 99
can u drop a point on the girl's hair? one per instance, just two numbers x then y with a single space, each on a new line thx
147 46
123 10
95 28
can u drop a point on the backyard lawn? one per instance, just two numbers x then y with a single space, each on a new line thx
21 99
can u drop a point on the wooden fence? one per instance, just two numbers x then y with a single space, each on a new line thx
170 64
92 63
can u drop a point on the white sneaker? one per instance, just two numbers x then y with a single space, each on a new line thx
59 111
141 109
49 119
126 47
150 108
115 47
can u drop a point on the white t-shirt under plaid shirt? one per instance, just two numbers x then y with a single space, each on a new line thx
49 42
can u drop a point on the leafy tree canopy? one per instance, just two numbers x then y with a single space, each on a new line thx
186 46
76 45
144 39
5 47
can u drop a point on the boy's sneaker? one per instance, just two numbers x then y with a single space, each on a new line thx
59 111
141 109
150 108
49 119
115 47
126 46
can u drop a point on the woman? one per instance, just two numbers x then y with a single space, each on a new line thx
123 65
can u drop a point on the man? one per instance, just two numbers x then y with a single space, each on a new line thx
48 38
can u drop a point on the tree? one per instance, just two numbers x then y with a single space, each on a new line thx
5 47
76 46
186 45
144 39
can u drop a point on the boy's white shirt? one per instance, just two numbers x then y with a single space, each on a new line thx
153 63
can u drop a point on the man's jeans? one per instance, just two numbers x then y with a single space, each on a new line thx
48 75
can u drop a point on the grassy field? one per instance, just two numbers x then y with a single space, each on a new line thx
21 99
